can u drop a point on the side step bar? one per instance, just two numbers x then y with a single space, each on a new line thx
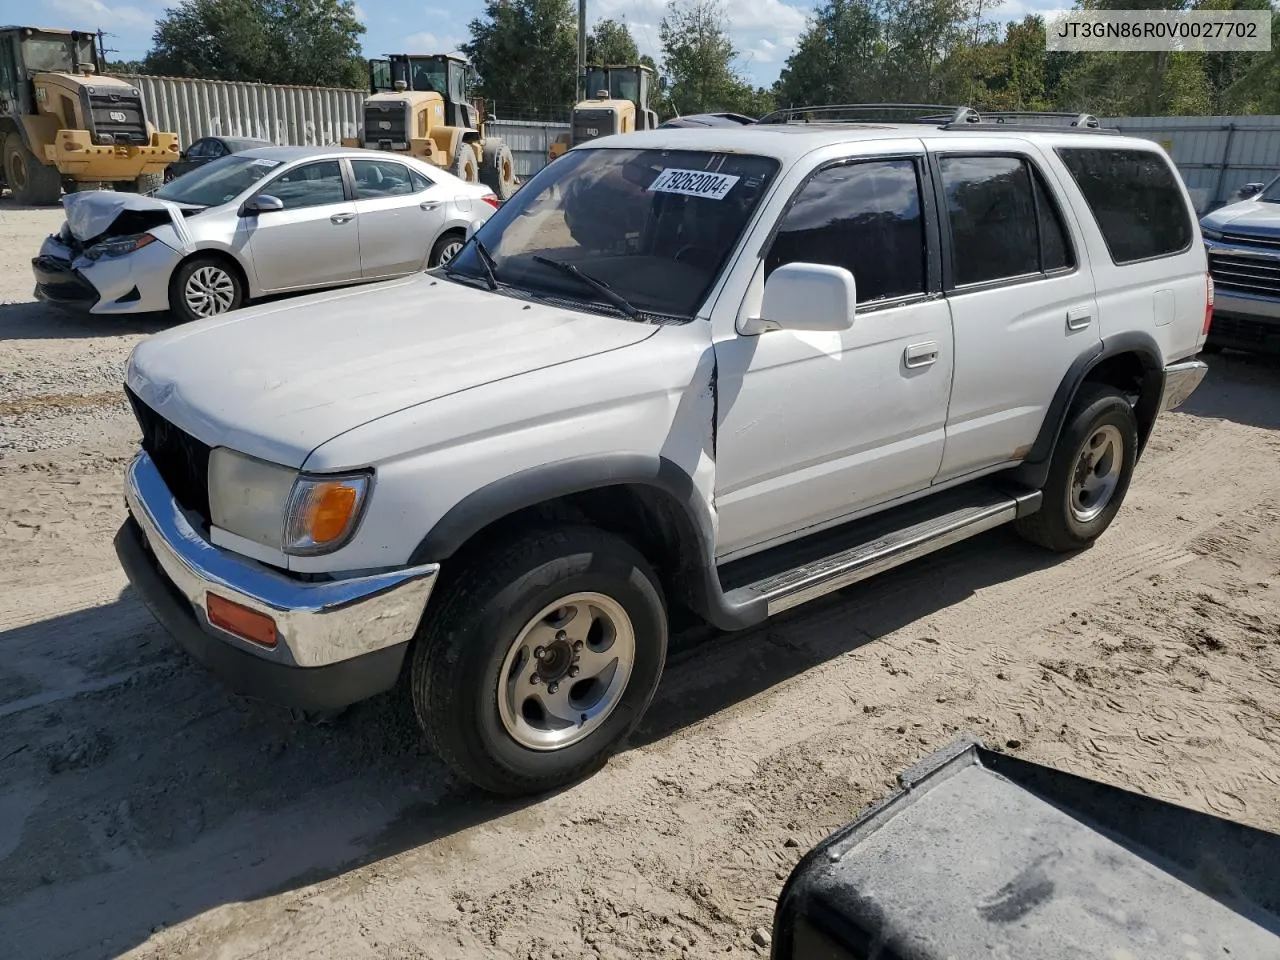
790 588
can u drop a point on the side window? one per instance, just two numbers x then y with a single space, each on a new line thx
215 149
1135 199
311 185
992 212
199 150
863 216
1055 244
376 179
420 181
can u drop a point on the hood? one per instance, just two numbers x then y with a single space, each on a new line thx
1254 217
101 213
277 381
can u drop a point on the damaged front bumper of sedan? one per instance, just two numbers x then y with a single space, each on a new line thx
92 266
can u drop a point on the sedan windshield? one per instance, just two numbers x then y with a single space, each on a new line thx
1272 193
653 227
218 182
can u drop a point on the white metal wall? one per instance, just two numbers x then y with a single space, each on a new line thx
301 116
529 142
1216 155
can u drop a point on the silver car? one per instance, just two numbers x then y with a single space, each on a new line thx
267 221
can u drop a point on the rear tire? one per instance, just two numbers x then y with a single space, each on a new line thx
498 171
445 249
464 165
31 182
576 607
144 184
1089 473
204 287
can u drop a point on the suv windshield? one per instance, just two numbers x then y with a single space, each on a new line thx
1272 193
218 182
655 226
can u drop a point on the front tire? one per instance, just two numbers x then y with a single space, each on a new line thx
464 165
540 659
498 172
31 182
204 287
1089 473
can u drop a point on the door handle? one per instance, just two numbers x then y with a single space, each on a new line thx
429 204
1079 317
342 218
921 354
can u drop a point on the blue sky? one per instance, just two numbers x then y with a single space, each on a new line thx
764 31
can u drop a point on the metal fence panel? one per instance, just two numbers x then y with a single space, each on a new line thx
299 116
529 141
1215 155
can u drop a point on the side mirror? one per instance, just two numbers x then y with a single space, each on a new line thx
263 203
807 296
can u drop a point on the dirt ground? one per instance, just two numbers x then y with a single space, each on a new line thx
145 813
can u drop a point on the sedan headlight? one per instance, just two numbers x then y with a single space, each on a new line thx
119 246
297 513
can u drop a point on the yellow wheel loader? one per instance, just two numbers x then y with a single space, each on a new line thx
417 105
618 103
62 124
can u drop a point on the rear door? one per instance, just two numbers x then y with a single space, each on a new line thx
315 240
1021 292
400 213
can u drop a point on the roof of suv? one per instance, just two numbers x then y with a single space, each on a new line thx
790 141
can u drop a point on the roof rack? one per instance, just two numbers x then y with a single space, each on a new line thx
943 117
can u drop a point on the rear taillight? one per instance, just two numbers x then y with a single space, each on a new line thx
1208 304
491 200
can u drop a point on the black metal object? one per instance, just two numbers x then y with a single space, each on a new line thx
942 116
183 461
982 855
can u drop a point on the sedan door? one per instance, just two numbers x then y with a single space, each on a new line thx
401 212
315 240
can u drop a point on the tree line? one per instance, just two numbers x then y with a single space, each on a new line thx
851 51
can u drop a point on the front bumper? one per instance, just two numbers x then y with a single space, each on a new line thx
1180 381
75 154
338 641
135 283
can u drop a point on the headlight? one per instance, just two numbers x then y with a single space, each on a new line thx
1210 234
294 512
119 246
323 512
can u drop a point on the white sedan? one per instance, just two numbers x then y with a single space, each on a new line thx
267 221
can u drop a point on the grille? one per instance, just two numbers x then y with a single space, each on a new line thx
385 121
1260 275
181 459
589 124
1269 243
120 117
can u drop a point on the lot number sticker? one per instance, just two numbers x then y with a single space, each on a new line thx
694 183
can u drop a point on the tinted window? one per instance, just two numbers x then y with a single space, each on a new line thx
381 178
199 150
992 213
864 217
1055 248
311 185
1135 199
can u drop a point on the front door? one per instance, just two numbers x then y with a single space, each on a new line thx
315 240
816 426
401 212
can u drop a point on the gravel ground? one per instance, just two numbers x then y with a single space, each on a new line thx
145 813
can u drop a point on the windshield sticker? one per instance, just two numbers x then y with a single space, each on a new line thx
264 162
693 183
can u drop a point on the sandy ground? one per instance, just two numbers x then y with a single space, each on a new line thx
143 812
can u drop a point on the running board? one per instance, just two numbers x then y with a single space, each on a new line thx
952 523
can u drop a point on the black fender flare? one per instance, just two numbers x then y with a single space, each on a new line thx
698 579
1035 469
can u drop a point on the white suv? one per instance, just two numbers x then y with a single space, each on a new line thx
720 370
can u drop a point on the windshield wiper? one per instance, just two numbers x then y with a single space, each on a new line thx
599 286
486 261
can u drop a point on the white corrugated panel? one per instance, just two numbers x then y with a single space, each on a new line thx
299 116
529 142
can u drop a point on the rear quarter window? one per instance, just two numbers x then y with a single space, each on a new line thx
1135 199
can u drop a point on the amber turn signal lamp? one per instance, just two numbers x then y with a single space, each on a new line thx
240 620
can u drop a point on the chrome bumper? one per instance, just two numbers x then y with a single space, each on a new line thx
317 623
1180 381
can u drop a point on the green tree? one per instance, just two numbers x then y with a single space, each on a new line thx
525 52
305 42
611 42
698 60
838 59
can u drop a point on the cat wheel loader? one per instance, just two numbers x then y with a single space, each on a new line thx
418 105
618 103
63 124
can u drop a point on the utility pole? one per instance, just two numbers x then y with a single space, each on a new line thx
582 51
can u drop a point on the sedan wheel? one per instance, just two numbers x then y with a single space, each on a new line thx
209 291
446 249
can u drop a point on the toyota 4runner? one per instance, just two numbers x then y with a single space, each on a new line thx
717 371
